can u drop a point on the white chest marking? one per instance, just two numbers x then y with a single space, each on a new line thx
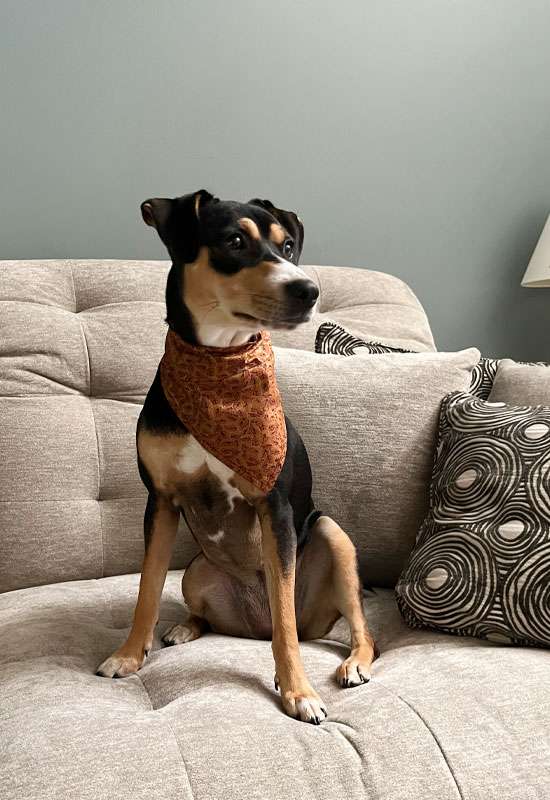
216 537
193 456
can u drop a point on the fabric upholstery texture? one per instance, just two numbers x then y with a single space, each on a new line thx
369 424
80 342
332 338
443 718
521 383
481 562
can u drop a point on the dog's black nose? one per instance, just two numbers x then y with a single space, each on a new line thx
304 291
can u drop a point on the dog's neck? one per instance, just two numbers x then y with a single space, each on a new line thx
212 336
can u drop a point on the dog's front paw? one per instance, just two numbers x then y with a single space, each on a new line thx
121 664
305 705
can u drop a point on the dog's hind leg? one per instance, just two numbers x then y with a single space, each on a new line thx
221 602
184 632
348 597
329 587
194 587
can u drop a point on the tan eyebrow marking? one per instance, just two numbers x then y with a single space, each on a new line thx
250 227
276 233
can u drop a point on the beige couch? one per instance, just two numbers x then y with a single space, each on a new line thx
442 718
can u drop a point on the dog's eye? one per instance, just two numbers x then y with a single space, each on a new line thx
288 248
235 241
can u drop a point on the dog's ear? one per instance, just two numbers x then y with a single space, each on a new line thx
176 221
289 220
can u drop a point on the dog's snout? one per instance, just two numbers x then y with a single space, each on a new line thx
304 291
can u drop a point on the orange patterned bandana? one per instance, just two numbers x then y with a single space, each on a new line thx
227 397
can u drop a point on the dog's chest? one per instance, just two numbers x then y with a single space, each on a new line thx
220 518
213 479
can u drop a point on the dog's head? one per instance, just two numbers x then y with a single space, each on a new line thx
240 260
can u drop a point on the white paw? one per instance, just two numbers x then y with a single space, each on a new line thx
179 634
119 666
306 708
352 673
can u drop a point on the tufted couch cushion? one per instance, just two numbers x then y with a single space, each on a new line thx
443 717
79 345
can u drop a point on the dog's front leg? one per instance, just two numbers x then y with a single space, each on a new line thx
160 525
279 559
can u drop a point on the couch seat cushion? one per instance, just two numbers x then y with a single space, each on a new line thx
443 717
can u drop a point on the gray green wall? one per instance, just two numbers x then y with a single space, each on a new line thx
413 137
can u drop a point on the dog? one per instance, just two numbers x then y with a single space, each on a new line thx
271 565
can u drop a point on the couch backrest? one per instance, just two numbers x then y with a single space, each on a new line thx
79 345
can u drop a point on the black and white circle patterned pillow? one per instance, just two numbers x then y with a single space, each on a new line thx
481 562
332 338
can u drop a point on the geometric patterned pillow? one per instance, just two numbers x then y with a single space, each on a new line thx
481 563
332 338
483 375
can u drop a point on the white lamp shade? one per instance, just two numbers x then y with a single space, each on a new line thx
538 269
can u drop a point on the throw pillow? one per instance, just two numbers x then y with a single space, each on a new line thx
522 383
369 425
481 563
332 338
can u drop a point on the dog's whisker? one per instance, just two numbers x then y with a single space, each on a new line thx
208 310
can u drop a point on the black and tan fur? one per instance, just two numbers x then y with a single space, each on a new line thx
271 565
